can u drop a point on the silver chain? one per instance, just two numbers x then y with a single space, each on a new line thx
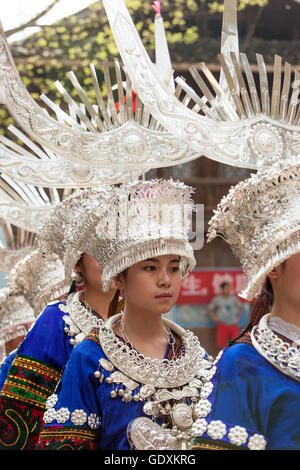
168 334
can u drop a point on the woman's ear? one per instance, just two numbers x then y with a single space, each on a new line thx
77 268
274 273
119 281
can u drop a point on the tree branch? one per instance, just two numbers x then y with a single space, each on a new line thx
31 22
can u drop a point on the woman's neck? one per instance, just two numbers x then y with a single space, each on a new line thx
97 300
287 311
144 331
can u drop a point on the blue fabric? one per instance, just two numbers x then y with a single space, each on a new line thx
80 390
46 341
250 392
5 366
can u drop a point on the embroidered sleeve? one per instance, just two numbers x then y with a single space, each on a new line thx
22 402
72 419
68 430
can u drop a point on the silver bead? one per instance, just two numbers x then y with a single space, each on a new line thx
97 374
113 394
109 380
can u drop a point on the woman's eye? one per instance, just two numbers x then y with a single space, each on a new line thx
149 268
175 269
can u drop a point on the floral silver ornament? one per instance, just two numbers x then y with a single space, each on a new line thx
168 388
238 435
199 427
62 415
206 390
209 373
49 415
94 421
216 429
279 353
203 408
51 401
78 318
79 417
257 442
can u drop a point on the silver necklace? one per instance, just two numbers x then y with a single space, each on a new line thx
168 333
79 318
166 373
279 353
168 388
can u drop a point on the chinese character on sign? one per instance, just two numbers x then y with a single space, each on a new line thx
240 283
192 286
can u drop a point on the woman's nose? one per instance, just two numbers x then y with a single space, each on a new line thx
164 278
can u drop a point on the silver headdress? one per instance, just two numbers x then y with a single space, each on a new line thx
260 219
27 206
67 231
232 121
88 142
39 279
145 219
120 226
16 315
18 244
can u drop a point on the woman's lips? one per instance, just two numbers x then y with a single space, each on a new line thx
164 295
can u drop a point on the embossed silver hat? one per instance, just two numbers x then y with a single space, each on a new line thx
260 219
145 219
16 315
120 226
68 228
40 279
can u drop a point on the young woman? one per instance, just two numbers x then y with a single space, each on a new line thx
134 382
255 393
42 356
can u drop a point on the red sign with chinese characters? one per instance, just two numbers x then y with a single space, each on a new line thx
201 286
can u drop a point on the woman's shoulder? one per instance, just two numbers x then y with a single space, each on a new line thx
52 309
89 350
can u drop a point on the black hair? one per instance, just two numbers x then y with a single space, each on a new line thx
261 307
224 284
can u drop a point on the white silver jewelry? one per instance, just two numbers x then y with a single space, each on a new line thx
79 318
279 353
168 388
